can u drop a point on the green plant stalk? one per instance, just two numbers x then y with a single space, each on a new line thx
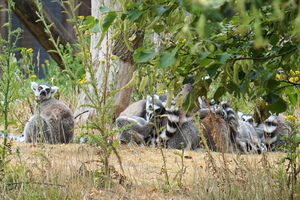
6 92
99 99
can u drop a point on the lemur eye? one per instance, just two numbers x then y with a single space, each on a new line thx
48 89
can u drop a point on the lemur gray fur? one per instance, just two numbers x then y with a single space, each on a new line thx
141 121
275 127
53 121
248 117
180 130
243 135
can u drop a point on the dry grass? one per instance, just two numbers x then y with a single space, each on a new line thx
73 172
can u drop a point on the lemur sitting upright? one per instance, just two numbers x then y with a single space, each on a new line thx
242 134
53 121
180 130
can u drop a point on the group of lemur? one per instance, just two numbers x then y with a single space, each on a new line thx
153 122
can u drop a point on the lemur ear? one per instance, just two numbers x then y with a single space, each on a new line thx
54 89
149 98
34 86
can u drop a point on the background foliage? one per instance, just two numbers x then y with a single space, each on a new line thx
249 49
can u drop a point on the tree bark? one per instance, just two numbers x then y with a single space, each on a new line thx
26 12
122 98
125 68
125 64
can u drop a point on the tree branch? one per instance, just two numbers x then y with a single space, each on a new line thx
26 12
265 58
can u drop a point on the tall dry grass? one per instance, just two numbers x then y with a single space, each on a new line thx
72 171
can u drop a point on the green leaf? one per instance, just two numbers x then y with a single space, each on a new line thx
212 69
89 22
253 75
272 98
161 9
204 55
141 55
222 58
277 107
96 27
265 77
106 10
167 58
219 92
108 20
272 84
134 14
274 39
243 86
293 98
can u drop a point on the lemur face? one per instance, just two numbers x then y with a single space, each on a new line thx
270 124
153 107
42 90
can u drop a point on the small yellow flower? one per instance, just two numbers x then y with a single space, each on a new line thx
183 41
160 92
294 79
292 72
103 61
43 65
281 76
30 50
82 81
290 118
113 56
80 17
46 61
297 72
33 76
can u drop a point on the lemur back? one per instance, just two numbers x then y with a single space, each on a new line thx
132 119
214 127
53 121
140 119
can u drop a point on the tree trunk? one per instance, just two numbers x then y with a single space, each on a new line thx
26 12
124 74
125 68
125 65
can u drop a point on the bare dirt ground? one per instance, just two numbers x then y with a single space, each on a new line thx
74 167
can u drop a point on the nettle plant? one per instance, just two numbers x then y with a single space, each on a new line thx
100 128
13 78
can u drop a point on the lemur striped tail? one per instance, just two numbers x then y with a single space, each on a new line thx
172 123
232 120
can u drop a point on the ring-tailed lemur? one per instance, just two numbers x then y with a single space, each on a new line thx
214 127
242 134
141 121
248 117
53 121
275 127
180 130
